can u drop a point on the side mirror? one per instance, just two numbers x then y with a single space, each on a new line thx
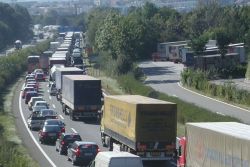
64 124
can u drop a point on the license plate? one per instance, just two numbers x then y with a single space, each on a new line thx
155 153
52 134
88 154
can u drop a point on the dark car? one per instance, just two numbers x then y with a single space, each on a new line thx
54 122
65 140
49 133
82 152
48 114
29 95
25 90
40 76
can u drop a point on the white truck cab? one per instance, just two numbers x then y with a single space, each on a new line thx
113 159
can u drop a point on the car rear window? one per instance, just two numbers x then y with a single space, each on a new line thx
52 128
53 123
39 75
72 138
88 147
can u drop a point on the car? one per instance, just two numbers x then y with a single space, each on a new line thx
30 80
77 53
33 100
82 152
41 103
28 77
26 89
36 71
31 75
32 85
40 76
37 109
54 122
52 88
65 140
35 122
29 95
49 133
48 114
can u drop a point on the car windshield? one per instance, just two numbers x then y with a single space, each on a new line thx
39 108
37 99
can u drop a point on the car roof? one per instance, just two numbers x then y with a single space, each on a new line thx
31 92
48 110
70 133
51 125
28 87
36 97
85 142
36 107
41 102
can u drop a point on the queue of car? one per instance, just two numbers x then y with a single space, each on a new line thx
50 128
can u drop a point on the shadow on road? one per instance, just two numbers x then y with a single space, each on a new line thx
152 71
160 82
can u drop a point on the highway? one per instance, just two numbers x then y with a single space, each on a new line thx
165 76
45 154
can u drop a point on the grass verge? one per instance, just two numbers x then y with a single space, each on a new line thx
10 131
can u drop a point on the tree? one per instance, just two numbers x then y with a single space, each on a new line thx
198 44
222 41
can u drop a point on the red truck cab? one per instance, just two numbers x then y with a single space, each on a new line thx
181 147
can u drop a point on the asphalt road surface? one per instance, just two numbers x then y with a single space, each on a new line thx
165 76
45 154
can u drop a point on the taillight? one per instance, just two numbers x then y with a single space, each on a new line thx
37 84
62 142
77 150
98 149
43 133
56 117
62 128
44 77
22 92
59 133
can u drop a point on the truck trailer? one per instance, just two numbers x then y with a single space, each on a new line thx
64 71
140 125
214 144
81 96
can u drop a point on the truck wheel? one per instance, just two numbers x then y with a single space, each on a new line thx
110 144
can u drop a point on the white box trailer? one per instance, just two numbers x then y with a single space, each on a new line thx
215 144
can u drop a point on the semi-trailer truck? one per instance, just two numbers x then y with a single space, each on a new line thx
64 71
140 125
81 96
214 144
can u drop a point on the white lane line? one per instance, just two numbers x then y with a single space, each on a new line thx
220 113
61 116
31 135
74 130
47 90
212 98
53 105
173 163
174 95
49 97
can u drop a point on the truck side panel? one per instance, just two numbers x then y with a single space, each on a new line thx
133 122
210 148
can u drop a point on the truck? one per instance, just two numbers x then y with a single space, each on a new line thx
64 71
44 61
141 125
57 60
52 74
162 53
40 35
54 45
18 44
81 96
175 53
217 144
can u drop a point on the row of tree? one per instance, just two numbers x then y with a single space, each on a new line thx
15 24
121 39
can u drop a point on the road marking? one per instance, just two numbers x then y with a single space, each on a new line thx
61 116
212 98
47 90
173 163
74 130
174 95
49 97
220 113
53 105
31 135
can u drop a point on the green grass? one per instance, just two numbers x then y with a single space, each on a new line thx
11 135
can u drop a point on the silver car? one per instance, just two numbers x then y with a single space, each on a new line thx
52 88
